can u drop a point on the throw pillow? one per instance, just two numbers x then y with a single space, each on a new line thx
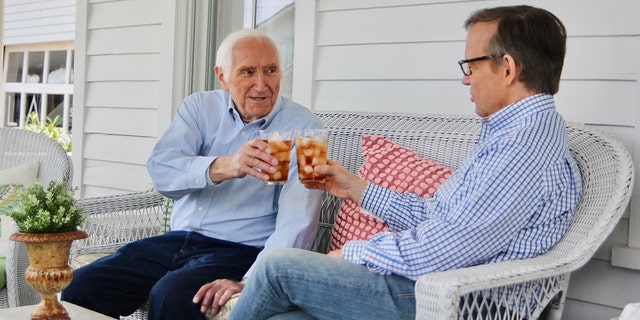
393 167
8 200
11 182
9 197
25 174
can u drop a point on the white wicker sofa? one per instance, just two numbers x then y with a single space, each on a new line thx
607 172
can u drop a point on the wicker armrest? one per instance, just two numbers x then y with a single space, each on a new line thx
113 221
456 293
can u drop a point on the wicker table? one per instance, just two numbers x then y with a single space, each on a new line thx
75 313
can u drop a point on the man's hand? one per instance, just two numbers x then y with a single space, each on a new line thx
335 254
339 181
252 158
214 294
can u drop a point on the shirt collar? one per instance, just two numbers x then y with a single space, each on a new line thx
520 109
513 114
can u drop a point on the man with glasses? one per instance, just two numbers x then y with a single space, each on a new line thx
513 198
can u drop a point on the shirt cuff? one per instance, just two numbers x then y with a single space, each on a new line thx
375 199
206 173
352 251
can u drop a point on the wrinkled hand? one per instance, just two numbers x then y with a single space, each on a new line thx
253 155
214 294
339 181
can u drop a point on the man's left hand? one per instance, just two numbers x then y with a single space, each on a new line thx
216 293
335 254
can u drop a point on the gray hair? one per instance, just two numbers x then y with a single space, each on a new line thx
224 54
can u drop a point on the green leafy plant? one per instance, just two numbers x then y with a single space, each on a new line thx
50 128
47 211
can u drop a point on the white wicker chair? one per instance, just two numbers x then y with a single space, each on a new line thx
607 172
17 147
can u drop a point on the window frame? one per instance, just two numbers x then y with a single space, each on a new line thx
43 89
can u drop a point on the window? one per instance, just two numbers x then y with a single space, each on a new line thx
38 78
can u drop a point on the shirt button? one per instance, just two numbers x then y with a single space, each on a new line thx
197 181
199 209
243 133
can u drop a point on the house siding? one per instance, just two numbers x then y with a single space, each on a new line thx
122 49
38 21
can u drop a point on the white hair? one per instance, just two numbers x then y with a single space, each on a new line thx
224 54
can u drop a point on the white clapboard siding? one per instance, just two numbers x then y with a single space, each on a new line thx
114 14
123 94
105 178
125 40
118 148
123 67
438 60
603 16
400 95
123 48
39 21
131 122
412 46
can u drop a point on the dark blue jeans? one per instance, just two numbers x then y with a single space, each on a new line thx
167 270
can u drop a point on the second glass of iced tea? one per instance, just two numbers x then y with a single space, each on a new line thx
311 151
280 144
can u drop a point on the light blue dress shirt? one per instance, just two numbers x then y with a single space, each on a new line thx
243 210
513 197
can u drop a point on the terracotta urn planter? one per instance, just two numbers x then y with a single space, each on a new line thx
49 271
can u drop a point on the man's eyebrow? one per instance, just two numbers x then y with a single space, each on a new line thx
242 68
272 65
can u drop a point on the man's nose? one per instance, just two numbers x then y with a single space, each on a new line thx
260 83
465 80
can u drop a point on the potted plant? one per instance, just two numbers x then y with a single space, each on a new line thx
48 221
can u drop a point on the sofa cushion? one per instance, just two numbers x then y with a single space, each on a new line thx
25 174
12 181
393 167
84 259
8 201
3 278
9 197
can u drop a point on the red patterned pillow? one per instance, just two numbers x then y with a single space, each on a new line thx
395 168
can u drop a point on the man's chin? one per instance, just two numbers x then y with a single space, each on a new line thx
260 110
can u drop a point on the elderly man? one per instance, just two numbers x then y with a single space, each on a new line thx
212 164
513 197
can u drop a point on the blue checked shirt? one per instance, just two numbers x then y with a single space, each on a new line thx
512 198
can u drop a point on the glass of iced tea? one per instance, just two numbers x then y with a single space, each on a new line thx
311 151
280 144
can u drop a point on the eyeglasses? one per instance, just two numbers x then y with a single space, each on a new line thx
464 64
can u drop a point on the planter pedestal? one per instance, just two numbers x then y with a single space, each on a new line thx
49 271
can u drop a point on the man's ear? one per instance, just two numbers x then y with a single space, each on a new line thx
220 77
510 72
